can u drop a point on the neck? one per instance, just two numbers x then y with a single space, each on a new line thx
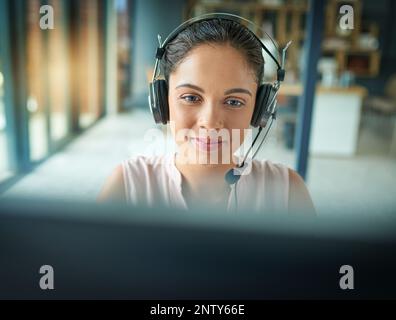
204 179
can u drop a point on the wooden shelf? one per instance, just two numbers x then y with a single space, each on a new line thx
287 20
259 12
363 62
254 6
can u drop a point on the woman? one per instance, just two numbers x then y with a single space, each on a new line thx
212 69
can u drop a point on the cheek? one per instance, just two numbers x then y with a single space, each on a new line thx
242 119
180 120
241 123
174 111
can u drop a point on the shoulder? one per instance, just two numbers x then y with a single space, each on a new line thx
299 197
278 170
142 161
131 172
286 181
270 169
141 168
113 188
295 179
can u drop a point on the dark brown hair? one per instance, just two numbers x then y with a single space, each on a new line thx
218 31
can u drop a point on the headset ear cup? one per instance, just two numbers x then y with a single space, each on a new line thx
261 106
163 87
161 101
257 106
270 109
153 101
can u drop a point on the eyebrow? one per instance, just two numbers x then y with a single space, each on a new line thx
188 85
234 90
238 90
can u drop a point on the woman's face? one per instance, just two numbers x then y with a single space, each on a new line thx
211 100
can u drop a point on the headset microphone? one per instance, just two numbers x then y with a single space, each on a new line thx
233 175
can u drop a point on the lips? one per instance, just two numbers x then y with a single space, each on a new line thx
207 140
207 144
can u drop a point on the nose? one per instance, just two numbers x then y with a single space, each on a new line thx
210 117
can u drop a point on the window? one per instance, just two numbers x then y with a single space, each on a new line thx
36 86
48 94
90 76
124 66
5 166
58 74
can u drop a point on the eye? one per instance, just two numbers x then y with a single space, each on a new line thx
234 103
191 99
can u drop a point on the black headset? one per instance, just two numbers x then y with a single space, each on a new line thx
265 106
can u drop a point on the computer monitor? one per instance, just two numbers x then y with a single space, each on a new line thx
116 251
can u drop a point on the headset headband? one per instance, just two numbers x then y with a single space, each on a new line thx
210 16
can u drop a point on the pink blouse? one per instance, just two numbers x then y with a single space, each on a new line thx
155 181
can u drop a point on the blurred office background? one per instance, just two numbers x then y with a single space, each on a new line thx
73 99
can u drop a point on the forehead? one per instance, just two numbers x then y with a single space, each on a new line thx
218 65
